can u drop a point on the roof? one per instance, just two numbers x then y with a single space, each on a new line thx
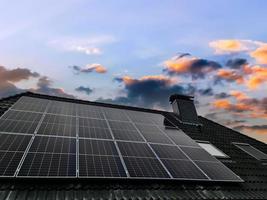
252 171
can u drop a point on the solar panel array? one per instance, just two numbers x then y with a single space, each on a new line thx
48 138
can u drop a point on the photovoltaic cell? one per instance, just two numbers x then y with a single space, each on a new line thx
42 144
115 114
167 151
9 162
125 131
183 169
22 116
93 128
145 167
97 147
135 149
153 134
12 142
62 108
13 126
31 104
179 137
90 111
198 154
58 125
100 166
217 171
48 165
139 117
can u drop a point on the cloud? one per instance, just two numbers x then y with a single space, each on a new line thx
148 91
227 105
236 63
86 90
9 77
229 75
252 107
260 54
234 45
238 95
222 95
95 67
44 86
258 76
195 67
89 45
206 92
258 129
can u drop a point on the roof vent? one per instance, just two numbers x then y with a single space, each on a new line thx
184 107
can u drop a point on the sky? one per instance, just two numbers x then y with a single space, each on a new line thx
138 53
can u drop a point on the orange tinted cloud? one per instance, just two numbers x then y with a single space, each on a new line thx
94 67
238 95
260 54
234 45
227 105
230 75
179 65
258 76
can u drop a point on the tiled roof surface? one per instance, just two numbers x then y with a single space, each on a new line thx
252 171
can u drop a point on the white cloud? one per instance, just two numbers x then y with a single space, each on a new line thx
89 45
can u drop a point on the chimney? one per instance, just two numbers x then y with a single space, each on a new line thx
184 107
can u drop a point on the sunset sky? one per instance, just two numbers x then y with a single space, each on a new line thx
139 52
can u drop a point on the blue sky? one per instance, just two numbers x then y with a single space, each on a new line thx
115 51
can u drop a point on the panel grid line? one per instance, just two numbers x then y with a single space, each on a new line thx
117 147
31 141
185 154
165 168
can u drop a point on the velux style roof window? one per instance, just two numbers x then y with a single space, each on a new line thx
259 155
211 149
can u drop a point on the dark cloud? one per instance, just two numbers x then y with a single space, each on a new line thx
222 95
9 77
236 63
44 86
194 67
83 89
261 104
148 92
206 92
258 129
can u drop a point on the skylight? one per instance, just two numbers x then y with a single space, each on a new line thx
211 149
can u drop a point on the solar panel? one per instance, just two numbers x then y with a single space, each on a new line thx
70 140
198 154
48 165
42 144
125 131
153 134
58 125
135 149
217 171
99 158
115 114
183 169
100 166
97 147
62 108
89 111
145 167
12 148
179 137
31 104
168 151
93 128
